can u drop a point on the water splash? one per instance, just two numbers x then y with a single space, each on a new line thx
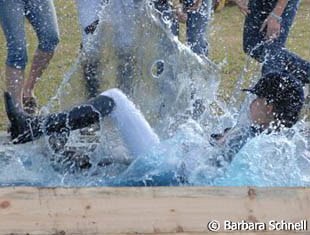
177 92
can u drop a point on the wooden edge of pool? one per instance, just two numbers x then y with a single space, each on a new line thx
158 210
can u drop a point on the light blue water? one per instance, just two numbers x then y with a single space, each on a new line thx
184 156
281 159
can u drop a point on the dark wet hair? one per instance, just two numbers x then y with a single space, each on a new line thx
284 92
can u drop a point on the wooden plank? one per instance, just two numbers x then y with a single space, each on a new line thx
26 210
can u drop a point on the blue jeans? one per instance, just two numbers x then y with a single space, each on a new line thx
196 25
41 14
273 54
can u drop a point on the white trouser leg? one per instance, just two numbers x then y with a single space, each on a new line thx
135 131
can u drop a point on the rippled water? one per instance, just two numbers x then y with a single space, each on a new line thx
281 159
169 102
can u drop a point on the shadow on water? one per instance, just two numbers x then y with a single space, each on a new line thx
177 92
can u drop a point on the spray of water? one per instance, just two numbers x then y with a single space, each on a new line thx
176 90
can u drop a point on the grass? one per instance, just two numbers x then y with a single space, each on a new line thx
225 36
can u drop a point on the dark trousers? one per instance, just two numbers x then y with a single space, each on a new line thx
196 24
273 54
196 27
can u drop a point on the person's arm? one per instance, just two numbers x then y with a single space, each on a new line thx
272 24
182 10
181 15
231 141
279 8
243 6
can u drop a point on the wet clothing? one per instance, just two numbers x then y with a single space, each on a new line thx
165 8
26 128
135 131
273 54
190 160
164 166
41 15
155 162
139 137
196 27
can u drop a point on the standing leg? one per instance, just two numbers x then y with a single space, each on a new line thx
90 74
197 23
88 11
41 14
253 39
39 63
123 18
12 21
14 83
165 8
126 71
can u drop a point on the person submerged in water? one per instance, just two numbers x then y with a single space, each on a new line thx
279 100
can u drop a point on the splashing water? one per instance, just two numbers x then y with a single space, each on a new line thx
176 91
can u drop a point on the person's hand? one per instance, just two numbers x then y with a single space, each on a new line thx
181 11
272 26
243 6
